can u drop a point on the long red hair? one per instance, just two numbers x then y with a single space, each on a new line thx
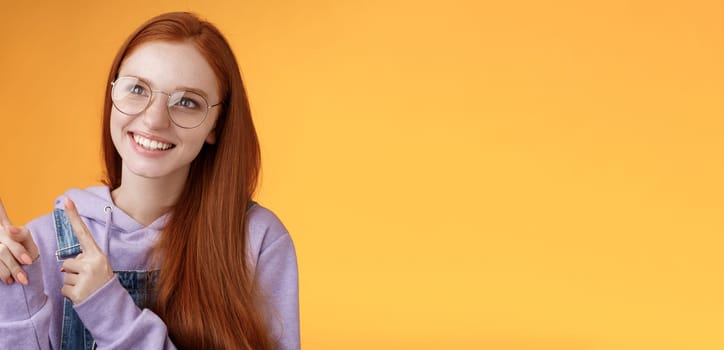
205 292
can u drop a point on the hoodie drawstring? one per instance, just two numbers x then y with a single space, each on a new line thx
108 209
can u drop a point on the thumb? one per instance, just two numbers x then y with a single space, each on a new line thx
85 239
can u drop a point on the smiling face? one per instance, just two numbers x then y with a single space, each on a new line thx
149 143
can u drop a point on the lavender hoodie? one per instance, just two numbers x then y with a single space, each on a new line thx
31 316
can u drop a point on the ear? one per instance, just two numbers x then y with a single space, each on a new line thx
211 137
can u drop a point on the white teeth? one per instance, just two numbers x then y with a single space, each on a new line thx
152 145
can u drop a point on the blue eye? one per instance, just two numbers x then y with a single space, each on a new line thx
137 89
187 103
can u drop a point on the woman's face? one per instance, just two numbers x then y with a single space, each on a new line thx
167 67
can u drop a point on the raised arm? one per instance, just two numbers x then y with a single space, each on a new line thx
24 308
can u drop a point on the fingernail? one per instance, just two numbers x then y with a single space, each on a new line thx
9 280
26 259
62 269
22 279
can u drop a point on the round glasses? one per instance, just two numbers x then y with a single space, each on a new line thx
187 109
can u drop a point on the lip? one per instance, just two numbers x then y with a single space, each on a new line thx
149 136
145 152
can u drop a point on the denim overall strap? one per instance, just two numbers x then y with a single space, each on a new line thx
68 245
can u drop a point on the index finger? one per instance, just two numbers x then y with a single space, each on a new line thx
4 220
86 241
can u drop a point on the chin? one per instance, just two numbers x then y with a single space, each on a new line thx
154 171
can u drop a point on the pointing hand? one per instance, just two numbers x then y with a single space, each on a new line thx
16 248
89 270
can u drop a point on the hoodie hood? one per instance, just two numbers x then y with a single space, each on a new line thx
96 204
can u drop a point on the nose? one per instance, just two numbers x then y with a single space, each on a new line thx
156 114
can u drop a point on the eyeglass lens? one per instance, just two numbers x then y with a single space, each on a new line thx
132 96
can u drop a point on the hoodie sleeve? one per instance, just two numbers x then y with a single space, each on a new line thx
115 322
25 312
277 273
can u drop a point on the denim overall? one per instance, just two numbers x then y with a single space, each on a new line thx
139 284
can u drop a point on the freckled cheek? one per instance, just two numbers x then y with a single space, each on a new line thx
210 124
118 122
193 140
202 131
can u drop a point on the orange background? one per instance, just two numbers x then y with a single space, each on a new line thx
455 175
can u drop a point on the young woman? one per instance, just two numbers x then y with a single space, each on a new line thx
172 251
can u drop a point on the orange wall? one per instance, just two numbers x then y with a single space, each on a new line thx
456 175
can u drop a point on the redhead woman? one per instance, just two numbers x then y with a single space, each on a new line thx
171 252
